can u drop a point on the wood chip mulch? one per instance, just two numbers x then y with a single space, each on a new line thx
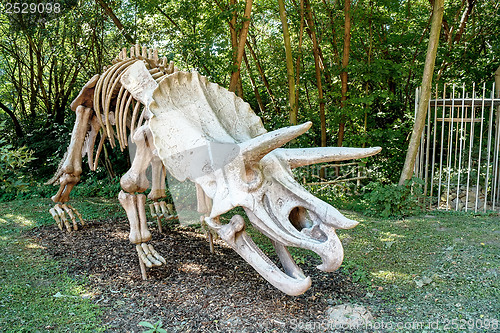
196 291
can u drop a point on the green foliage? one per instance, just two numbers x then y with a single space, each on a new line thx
12 160
93 187
392 200
45 60
153 328
355 271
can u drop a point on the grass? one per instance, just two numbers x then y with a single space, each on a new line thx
36 293
436 267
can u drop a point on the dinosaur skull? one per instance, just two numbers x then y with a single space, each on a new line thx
206 134
278 206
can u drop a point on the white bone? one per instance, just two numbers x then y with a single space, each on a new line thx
143 223
253 150
256 175
157 179
135 179
129 203
235 235
53 212
77 213
297 157
63 218
71 215
139 82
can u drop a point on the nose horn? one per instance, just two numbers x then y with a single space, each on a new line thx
253 150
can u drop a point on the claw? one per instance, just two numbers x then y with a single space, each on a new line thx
71 215
53 212
63 218
77 214
59 212
156 254
157 214
164 209
143 256
152 210
170 209
149 255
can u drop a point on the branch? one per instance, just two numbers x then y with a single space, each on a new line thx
116 21
17 126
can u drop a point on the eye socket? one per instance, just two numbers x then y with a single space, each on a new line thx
254 177
299 218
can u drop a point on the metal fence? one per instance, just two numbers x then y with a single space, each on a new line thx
458 157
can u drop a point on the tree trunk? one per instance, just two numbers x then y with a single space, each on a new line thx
425 94
17 126
299 56
241 47
234 44
289 64
343 74
322 117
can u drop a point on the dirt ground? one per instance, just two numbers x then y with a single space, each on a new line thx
196 291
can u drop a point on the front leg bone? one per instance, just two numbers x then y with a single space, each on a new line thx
135 179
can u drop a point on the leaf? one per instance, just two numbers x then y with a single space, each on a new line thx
426 280
146 324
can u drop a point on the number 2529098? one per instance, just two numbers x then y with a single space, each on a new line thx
32 8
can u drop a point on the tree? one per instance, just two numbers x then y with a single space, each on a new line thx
418 127
235 76
343 74
289 64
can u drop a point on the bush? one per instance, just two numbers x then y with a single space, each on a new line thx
392 200
12 181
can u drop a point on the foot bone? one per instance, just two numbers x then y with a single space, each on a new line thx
149 256
59 212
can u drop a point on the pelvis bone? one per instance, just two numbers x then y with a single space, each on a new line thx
206 134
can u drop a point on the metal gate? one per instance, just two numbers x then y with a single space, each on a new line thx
458 157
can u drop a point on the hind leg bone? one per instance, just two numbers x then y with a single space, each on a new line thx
133 181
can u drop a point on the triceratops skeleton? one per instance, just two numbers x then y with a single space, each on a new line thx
200 131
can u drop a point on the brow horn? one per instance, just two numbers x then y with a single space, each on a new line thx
253 150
